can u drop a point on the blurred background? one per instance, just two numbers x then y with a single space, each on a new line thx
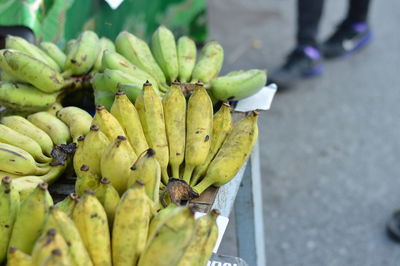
329 145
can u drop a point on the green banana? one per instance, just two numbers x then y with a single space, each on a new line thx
45 244
238 85
109 198
132 219
222 126
163 47
138 53
108 80
209 64
147 169
54 52
132 91
54 127
82 55
86 180
20 44
6 76
199 124
77 119
107 123
30 219
170 241
24 97
203 241
31 70
125 112
9 207
67 205
91 220
103 98
186 49
150 109
18 258
63 224
17 161
12 137
232 154
174 104
69 45
105 45
116 161
26 128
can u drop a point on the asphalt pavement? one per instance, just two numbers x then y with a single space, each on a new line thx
330 147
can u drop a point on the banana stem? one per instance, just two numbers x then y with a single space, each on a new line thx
175 170
67 73
164 176
195 179
188 173
203 185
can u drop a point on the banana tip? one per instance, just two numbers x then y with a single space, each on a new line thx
105 180
147 83
99 107
43 186
150 152
175 82
121 138
120 92
56 252
140 182
51 232
6 180
94 128
89 192
84 168
12 250
81 138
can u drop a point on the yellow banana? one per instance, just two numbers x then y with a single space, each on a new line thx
105 45
209 64
24 97
82 55
150 109
232 155
159 219
174 104
77 119
116 161
54 127
18 258
163 47
91 220
170 241
31 70
199 124
103 98
186 49
20 44
46 243
138 53
222 126
54 52
23 126
86 180
125 112
12 137
9 207
132 218
67 205
56 258
203 241
63 224
109 198
147 169
30 219
107 123
17 161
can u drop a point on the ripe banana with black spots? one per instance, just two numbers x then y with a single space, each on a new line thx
12 137
9 207
199 125
222 126
150 109
30 219
18 258
54 127
138 53
50 239
186 49
238 84
91 220
54 52
132 219
232 155
209 64
26 128
77 119
82 55
20 44
109 198
203 241
67 205
163 47
174 104
86 180
125 112
31 70
107 123
116 161
105 45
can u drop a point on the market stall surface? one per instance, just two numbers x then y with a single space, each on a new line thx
330 146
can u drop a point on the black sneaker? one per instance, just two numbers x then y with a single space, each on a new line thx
348 38
302 63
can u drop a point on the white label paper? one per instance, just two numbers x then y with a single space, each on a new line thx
114 4
222 223
262 100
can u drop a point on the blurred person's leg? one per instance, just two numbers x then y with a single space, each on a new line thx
305 59
352 34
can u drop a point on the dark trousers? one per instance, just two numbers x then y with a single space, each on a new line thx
309 13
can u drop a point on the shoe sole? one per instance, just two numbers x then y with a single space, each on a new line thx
361 44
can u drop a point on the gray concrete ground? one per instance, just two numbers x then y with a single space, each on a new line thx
330 146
